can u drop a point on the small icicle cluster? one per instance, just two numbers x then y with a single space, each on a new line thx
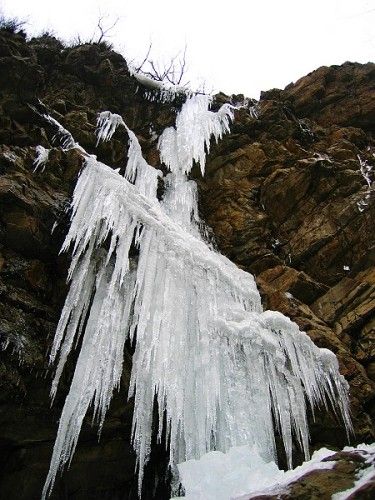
222 370
366 171
41 159
159 91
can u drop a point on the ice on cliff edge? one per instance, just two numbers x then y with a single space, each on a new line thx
224 372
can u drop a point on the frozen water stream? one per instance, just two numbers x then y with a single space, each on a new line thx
224 372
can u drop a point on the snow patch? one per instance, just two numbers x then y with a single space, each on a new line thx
10 156
160 91
364 475
241 473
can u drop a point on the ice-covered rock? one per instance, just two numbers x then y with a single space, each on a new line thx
224 372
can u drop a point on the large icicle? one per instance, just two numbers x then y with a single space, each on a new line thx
223 371
99 365
189 141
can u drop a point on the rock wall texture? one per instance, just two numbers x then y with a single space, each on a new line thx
283 194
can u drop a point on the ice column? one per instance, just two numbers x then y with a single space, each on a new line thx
224 372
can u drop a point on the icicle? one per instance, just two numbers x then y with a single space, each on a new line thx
63 135
180 147
223 371
41 158
366 171
137 171
106 125
98 368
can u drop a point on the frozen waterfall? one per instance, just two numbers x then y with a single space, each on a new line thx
224 372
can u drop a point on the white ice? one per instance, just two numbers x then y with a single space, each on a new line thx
224 372
41 158
242 473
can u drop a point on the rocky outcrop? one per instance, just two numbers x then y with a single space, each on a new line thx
283 194
340 95
341 473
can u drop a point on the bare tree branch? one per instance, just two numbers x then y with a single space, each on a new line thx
105 30
138 69
172 73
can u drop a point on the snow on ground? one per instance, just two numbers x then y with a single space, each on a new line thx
241 474
364 475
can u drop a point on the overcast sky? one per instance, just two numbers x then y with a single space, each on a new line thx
236 46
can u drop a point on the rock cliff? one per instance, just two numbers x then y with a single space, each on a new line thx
287 195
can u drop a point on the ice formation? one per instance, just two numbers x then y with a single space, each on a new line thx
41 159
159 91
242 473
224 373
366 171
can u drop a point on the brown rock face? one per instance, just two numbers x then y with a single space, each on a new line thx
285 198
342 95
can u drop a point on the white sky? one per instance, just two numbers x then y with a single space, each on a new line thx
236 46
